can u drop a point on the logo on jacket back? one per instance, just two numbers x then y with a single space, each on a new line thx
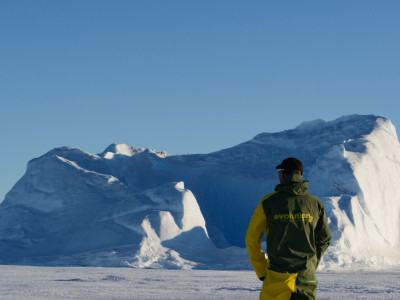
294 217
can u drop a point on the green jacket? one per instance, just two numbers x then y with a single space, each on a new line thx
297 230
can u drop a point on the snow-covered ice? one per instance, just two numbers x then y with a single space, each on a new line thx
53 283
137 207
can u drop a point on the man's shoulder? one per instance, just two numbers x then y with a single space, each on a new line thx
273 199
268 196
315 199
281 195
311 196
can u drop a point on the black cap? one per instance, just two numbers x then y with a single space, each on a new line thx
290 164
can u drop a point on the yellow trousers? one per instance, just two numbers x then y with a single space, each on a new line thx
278 286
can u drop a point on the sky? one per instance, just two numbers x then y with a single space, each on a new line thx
186 76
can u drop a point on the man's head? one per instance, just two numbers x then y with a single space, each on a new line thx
288 166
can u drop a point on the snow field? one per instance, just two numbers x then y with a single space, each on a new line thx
25 282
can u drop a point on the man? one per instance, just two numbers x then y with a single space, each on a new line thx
297 236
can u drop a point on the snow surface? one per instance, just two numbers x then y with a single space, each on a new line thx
136 207
53 283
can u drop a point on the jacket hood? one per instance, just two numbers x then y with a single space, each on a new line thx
293 184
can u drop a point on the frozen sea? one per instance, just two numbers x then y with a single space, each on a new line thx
27 282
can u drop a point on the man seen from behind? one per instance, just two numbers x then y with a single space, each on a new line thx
297 235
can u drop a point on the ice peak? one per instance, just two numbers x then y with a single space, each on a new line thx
311 125
180 185
360 120
120 149
123 149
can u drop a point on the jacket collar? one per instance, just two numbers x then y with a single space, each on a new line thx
293 184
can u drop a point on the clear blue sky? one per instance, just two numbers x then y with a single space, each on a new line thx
186 76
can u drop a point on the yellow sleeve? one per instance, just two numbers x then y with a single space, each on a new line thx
258 225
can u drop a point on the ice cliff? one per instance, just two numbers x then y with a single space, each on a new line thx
143 208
